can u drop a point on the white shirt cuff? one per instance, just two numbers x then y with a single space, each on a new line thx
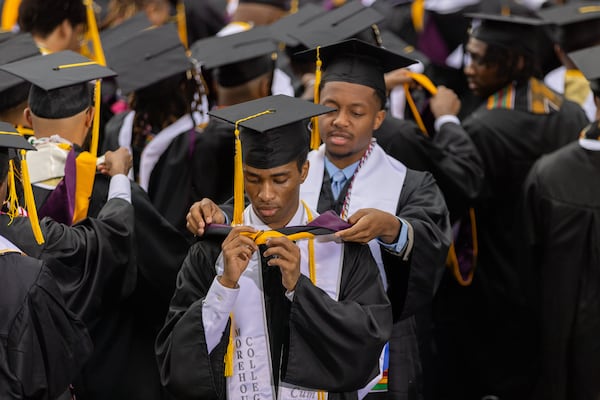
445 119
119 188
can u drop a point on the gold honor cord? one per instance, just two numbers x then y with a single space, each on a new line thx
12 200
426 83
238 176
23 131
315 137
10 14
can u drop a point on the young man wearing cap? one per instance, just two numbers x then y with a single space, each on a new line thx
44 344
61 113
488 326
406 223
309 318
562 225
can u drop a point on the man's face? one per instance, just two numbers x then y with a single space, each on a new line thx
274 193
347 131
482 77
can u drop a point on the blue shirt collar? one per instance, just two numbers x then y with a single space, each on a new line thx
348 171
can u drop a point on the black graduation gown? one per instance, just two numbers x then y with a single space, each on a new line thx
562 222
43 345
488 327
176 181
449 155
123 366
336 344
411 283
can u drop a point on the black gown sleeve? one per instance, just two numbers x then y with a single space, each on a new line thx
335 345
412 283
44 345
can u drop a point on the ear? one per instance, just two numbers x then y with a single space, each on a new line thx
89 117
304 171
264 86
65 29
379 117
28 115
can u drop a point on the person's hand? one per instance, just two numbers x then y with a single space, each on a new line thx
397 77
284 253
116 162
237 251
564 58
201 213
371 223
445 102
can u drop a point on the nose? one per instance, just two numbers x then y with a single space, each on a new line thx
340 119
468 69
266 192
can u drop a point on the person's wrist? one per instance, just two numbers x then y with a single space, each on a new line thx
228 283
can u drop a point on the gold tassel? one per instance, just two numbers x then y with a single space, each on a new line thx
426 83
238 181
315 137
238 174
96 122
182 24
229 353
12 199
93 33
417 12
10 14
29 200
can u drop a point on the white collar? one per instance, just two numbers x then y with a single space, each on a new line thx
590 144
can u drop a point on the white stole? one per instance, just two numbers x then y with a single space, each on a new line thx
6 244
252 375
156 147
378 182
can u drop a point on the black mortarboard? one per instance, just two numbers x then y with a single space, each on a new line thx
15 90
355 61
11 139
577 23
588 62
278 136
147 57
511 31
113 36
274 132
285 27
339 24
237 58
283 4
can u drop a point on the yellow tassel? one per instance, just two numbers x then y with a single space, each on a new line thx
417 12
24 131
426 83
10 14
182 24
238 174
315 138
93 32
96 122
12 199
238 182
30 201
229 353
294 5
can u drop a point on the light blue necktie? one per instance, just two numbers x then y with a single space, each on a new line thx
338 180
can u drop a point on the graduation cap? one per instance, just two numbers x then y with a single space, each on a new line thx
10 139
284 28
60 85
14 90
274 132
146 57
577 24
588 62
115 35
353 61
511 31
342 23
237 58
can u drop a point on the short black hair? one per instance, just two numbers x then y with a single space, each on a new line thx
506 59
41 17
4 158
